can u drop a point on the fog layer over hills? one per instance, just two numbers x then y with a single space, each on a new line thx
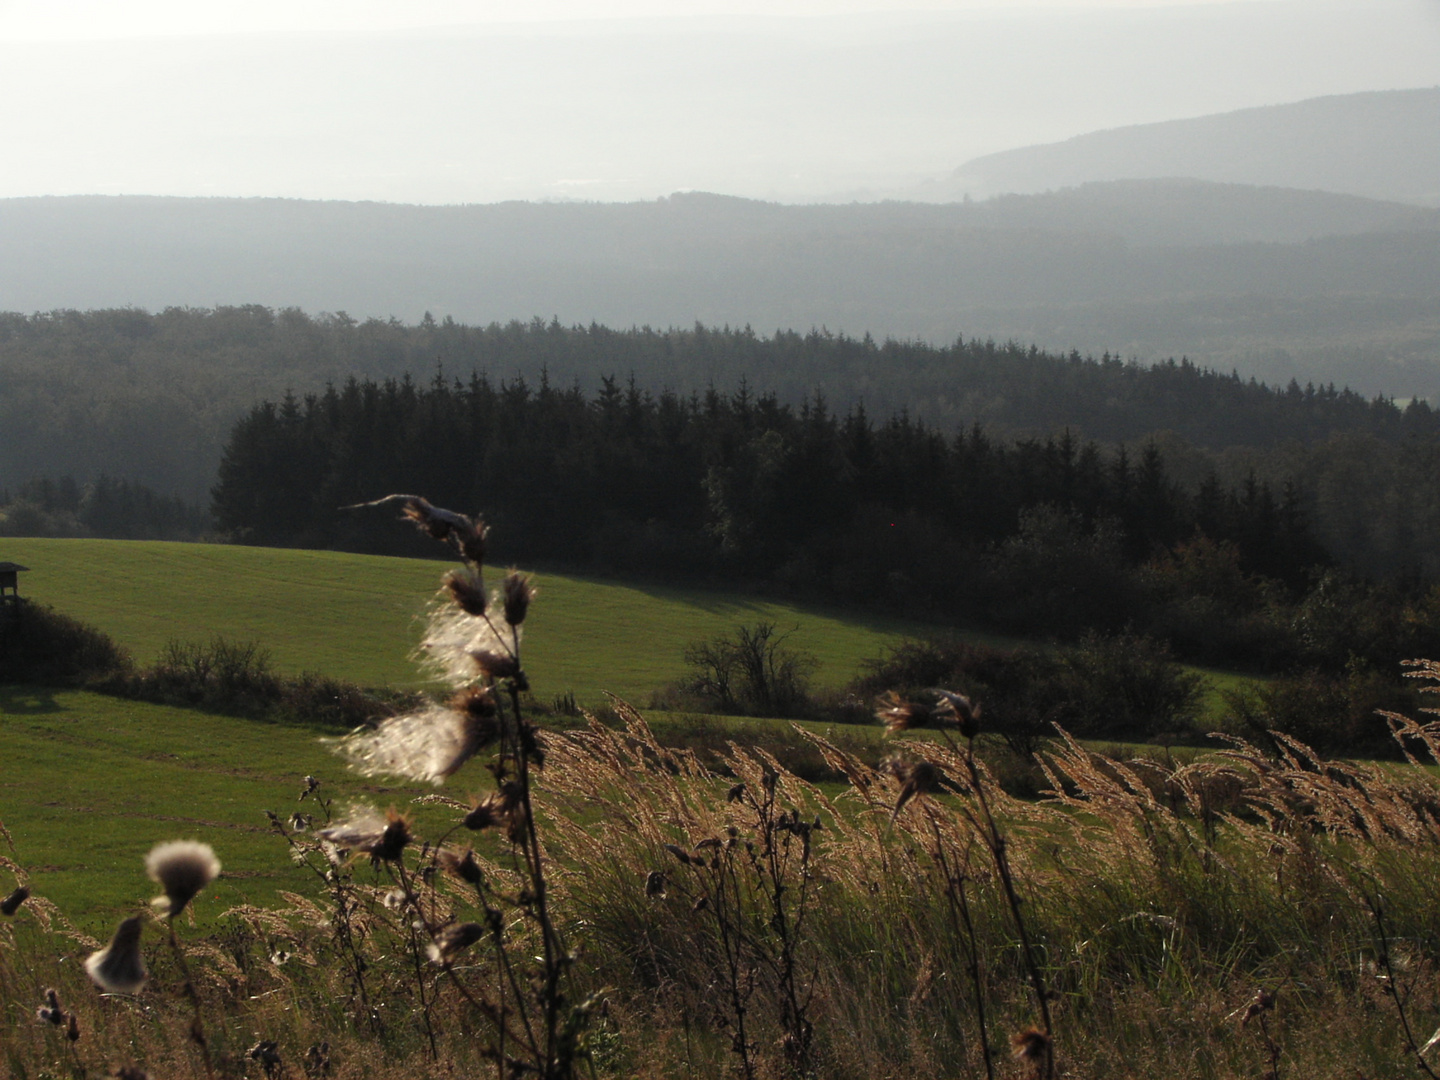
1383 145
1273 282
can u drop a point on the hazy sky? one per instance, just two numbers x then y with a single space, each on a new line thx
451 101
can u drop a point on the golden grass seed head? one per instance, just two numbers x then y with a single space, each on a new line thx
182 868
119 968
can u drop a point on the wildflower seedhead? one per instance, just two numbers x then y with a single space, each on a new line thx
1262 1002
430 745
119 968
960 711
495 665
454 939
182 868
518 591
11 903
467 589
267 1053
1030 1046
916 778
51 1012
367 833
898 714
463 866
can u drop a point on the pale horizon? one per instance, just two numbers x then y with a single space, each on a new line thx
448 102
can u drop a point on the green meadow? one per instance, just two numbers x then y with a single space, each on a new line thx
92 782
357 617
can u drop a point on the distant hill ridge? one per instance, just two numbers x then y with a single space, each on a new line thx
1381 145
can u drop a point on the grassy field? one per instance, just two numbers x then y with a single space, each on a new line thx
357 616
92 783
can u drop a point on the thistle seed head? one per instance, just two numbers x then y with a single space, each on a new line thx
430 745
898 714
454 939
463 866
182 868
467 589
119 968
960 711
1030 1046
11 903
518 591
367 833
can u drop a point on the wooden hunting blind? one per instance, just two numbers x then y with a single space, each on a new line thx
10 580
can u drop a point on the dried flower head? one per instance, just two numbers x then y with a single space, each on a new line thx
119 968
503 807
367 833
451 639
430 745
1030 1046
518 591
463 865
51 1012
467 589
182 868
1262 1002
959 711
11 903
454 939
267 1053
916 778
898 714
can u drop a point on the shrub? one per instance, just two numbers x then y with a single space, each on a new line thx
40 645
750 673
1121 687
1334 714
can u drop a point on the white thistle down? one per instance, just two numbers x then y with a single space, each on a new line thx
428 746
453 638
118 968
182 868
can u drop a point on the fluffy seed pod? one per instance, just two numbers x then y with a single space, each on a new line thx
466 588
518 592
454 939
182 868
119 968
11 903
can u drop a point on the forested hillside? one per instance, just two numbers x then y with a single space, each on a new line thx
151 398
1275 283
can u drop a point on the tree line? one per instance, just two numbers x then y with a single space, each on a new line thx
1051 536
151 396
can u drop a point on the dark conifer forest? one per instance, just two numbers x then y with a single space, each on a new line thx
1053 536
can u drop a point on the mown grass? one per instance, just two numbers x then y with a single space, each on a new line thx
354 616
92 783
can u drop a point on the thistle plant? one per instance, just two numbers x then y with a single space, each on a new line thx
473 644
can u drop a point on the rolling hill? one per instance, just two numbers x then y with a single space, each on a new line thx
1382 145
